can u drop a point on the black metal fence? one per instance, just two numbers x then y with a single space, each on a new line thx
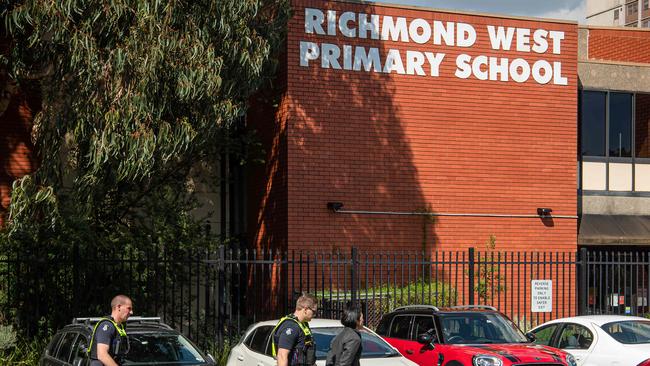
212 296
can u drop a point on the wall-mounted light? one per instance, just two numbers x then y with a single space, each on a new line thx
334 206
544 211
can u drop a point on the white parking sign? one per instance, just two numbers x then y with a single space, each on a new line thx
542 296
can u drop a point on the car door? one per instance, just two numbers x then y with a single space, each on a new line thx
48 358
256 350
399 336
423 354
577 340
64 352
79 356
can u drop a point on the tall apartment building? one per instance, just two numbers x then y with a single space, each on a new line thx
628 13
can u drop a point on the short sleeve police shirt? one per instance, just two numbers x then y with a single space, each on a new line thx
105 334
289 334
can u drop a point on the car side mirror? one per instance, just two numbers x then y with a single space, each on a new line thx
211 359
531 337
427 339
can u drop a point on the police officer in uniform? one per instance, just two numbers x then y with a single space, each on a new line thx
293 343
108 343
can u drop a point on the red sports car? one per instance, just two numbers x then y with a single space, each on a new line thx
464 336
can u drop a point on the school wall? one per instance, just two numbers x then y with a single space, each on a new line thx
409 143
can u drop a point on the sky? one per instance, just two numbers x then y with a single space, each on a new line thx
554 9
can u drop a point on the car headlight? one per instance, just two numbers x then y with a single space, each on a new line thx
571 361
485 360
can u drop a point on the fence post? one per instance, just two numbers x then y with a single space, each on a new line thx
354 274
221 295
470 274
583 291
75 279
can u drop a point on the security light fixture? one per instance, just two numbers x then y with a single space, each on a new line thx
544 211
334 206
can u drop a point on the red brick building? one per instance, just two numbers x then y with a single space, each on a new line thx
440 125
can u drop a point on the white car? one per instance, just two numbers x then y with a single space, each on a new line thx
599 340
254 348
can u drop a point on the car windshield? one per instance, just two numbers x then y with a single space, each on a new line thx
629 331
372 345
162 349
479 328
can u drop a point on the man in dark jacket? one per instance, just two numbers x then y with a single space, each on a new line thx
345 349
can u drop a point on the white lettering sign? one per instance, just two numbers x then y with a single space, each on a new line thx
541 296
419 31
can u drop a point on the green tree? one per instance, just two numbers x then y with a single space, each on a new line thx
134 95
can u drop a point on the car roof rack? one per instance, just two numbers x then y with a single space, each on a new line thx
133 319
413 307
487 307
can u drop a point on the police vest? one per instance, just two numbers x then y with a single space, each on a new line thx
121 347
305 355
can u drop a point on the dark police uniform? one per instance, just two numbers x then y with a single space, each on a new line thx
290 334
106 331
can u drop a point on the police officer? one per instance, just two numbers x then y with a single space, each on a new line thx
108 343
293 343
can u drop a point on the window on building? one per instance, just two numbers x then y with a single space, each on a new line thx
646 4
632 8
616 14
592 125
611 121
620 125
642 125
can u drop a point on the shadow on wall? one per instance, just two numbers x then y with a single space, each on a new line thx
348 142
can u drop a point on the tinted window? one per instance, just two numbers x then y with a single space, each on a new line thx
167 348
422 324
592 126
400 326
620 125
259 339
642 124
79 348
544 335
479 327
51 348
630 331
372 345
65 349
575 336
382 328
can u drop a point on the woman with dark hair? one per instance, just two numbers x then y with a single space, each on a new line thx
345 349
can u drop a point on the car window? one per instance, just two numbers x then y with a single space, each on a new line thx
399 328
162 348
575 336
259 339
51 348
65 349
544 335
382 328
422 324
79 348
372 346
629 331
479 328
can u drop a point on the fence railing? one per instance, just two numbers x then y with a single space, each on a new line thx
214 295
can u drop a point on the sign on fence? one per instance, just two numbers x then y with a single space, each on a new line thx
542 296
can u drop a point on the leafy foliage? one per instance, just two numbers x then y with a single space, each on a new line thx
137 96
488 279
